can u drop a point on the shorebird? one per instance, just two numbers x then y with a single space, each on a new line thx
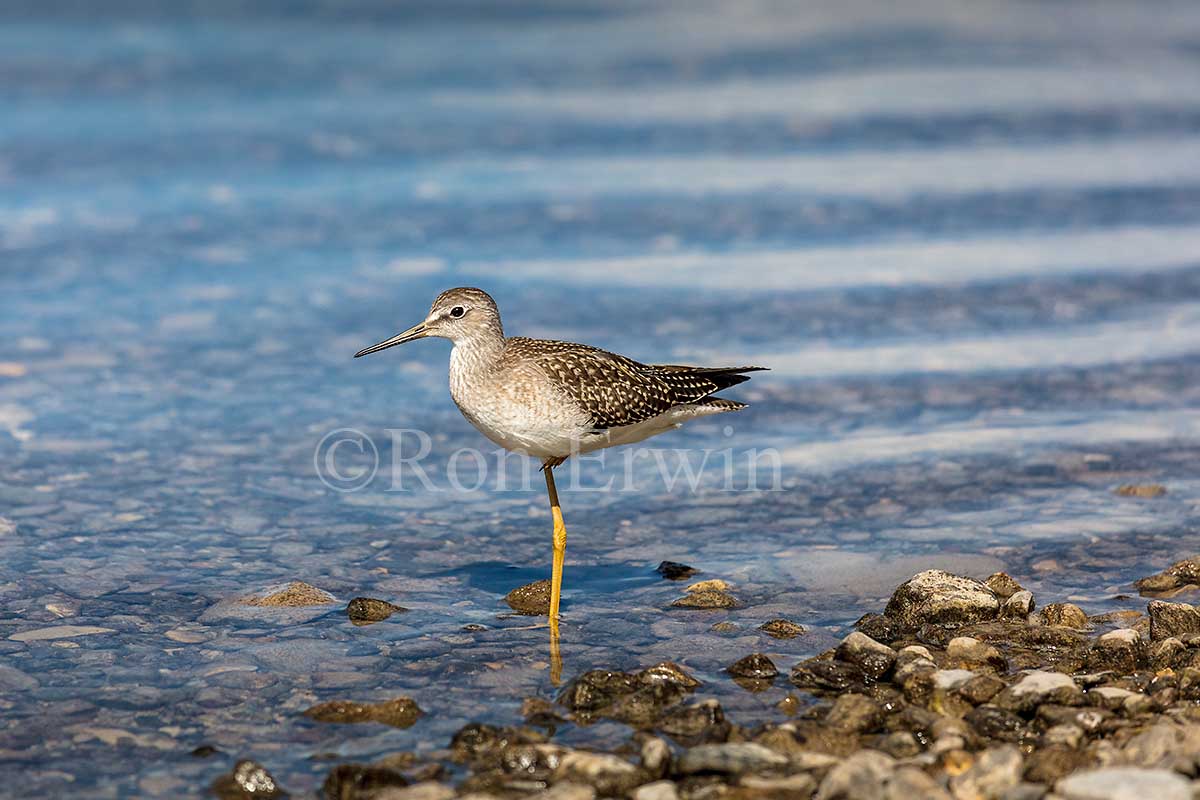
551 400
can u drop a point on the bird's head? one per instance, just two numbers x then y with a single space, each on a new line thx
460 315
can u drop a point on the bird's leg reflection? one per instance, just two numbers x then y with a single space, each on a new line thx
556 663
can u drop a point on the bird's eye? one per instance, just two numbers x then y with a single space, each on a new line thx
457 311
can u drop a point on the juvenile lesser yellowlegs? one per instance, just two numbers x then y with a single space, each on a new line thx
551 400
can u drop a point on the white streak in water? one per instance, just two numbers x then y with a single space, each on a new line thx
893 263
1169 332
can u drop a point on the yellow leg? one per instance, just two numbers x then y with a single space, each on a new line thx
560 553
560 546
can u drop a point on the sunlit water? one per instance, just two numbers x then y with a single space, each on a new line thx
965 240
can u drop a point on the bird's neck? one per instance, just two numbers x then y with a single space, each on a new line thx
476 355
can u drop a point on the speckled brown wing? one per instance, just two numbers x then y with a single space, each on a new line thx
614 390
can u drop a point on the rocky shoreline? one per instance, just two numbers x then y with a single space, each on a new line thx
958 688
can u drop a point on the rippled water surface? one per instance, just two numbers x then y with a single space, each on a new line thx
966 241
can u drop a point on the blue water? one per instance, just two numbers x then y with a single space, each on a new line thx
967 241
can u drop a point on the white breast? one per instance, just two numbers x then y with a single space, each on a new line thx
519 409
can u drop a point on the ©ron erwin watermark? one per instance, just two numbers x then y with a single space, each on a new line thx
348 460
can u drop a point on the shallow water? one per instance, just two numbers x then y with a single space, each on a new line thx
966 243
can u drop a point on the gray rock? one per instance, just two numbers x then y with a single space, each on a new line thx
964 652
607 774
427 790
1180 574
873 658
656 757
797 786
862 776
659 790
1172 620
1018 606
939 598
1003 584
856 713
1121 651
1066 615
1123 783
994 772
911 783
567 791
734 758
58 632
1038 688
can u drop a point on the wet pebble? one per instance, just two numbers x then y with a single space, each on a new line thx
399 712
367 610
674 571
781 629
731 758
532 599
1066 615
755 665
873 658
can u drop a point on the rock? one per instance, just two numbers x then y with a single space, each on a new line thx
1172 620
980 689
993 722
732 758
862 776
880 628
873 658
1038 688
659 790
994 772
1121 651
781 629
782 788
247 781
532 599
692 724
607 774
656 757
899 744
936 597
855 712
1162 744
1003 584
1047 764
58 632
566 791
816 674
710 585
1110 697
366 610
399 712
1066 615
1180 574
426 790
359 782
674 571
911 783
637 698
706 599
965 652
1019 606
1123 783
755 665
1144 490
296 594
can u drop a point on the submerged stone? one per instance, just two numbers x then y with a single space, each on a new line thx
755 665
781 629
296 594
360 781
367 610
674 571
399 712
707 598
